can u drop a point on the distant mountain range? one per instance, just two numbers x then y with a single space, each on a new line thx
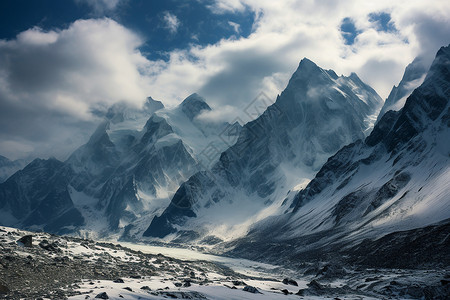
317 114
9 167
312 174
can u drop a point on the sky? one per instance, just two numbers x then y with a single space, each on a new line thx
63 63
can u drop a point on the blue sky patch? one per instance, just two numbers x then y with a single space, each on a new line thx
382 21
197 23
349 31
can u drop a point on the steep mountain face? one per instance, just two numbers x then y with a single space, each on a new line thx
39 195
315 116
9 167
395 180
123 176
193 105
163 155
412 78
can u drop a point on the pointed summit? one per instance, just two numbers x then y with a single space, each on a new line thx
308 73
353 76
193 105
151 105
307 66
307 63
413 77
314 117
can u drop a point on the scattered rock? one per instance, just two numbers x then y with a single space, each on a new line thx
369 279
286 292
128 288
119 280
314 289
103 295
26 241
49 246
3 289
251 289
361 286
178 284
315 285
289 281
238 282
187 284
332 271
146 288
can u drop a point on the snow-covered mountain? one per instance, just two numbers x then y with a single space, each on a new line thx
9 167
397 179
317 114
38 197
413 77
124 175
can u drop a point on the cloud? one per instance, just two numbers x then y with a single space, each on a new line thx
171 22
390 34
236 27
100 7
52 81
225 113
221 7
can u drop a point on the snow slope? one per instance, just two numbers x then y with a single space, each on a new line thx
396 179
316 114
123 176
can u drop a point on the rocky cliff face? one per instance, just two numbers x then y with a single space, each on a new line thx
315 116
38 195
396 179
122 177
413 77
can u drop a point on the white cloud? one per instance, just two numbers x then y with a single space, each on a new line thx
236 27
233 71
50 82
222 114
171 22
101 7
221 7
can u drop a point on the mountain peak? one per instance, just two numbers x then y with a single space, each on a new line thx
193 105
152 104
307 65
439 67
413 76
353 76
193 98
443 51
4 160
308 71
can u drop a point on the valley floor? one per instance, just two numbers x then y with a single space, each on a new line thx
61 267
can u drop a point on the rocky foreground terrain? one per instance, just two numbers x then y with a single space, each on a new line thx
44 266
